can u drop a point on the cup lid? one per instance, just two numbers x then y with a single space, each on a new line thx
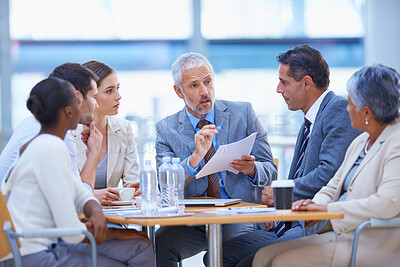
282 183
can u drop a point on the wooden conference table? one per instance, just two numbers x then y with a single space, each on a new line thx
213 221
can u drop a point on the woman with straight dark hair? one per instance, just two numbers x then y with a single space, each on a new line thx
42 192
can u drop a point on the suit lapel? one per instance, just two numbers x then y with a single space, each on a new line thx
296 153
186 130
349 165
114 138
374 149
324 102
222 118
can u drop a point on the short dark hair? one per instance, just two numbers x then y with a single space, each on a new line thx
377 87
80 76
47 98
304 60
102 70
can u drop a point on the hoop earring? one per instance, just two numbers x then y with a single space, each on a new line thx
366 121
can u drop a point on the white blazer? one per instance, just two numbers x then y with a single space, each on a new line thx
374 192
121 148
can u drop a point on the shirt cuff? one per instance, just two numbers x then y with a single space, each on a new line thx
190 169
87 186
253 180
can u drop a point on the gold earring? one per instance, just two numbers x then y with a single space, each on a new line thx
366 121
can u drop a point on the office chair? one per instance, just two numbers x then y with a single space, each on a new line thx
9 238
375 223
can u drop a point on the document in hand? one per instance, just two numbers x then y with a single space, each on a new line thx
226 154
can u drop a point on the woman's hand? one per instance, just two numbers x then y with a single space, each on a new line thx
301 204
308 205
136 185
106 195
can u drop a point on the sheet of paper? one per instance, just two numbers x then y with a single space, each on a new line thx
243 210
116 210
226 154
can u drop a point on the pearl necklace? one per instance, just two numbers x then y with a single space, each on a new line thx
366 147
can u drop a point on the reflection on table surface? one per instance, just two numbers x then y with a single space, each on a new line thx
201 216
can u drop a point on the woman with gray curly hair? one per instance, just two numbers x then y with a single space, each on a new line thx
366 186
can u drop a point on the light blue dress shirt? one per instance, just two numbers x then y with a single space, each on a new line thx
210 117
350 176
194 121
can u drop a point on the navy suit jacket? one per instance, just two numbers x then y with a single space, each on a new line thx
330 137
175 138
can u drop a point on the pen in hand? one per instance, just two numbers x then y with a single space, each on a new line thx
219 127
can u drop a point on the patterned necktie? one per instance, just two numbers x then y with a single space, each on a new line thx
306 136
280 227
213 189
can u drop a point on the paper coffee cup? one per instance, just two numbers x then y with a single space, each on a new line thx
283 194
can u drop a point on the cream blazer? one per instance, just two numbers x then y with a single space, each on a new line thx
121 148
374 192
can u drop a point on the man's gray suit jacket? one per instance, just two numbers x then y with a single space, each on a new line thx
175 138
330 137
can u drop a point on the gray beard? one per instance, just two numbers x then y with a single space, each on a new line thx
194 106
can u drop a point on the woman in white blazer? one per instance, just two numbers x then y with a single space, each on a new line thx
118 158
366 186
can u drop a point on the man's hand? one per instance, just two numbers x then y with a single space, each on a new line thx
92 138
267 196
136 185
123 234
106 195
269 226
203 141
246 165
85 134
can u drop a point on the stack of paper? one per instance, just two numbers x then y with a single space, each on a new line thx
226 154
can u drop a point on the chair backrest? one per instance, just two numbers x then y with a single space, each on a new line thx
4 216
276 160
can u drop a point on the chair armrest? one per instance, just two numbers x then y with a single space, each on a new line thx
50 232
373 223
392 222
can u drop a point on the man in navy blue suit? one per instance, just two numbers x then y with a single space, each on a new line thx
320 147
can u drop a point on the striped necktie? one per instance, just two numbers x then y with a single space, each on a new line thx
306 136
213 189
280 227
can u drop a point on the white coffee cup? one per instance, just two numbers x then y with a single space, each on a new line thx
126 194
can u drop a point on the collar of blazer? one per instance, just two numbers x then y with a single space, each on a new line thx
187 132
115 134
113 125
386 133
324 102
